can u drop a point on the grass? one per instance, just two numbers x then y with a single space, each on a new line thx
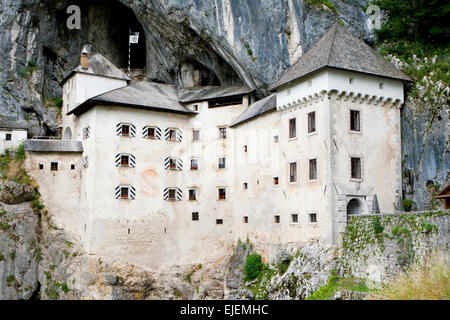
429 280
12 168
336 284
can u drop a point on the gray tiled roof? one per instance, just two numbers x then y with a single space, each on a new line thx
99 65
338 48
144 95
53 146
14 124
212 92
256 109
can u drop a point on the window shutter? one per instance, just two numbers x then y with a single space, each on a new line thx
166 193
133 130
179 135
144 132
117 193
167 163
179 164
117 160
166 134
132 193
158 133
119 129
132 161
179 194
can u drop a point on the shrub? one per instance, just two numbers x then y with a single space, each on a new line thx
253 266
376 223
20 153
407 205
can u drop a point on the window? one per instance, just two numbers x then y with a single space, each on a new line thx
222 193
245 219
245 185
275 180
313 169
125 129
8 137
381 85
356 168
294 218
172 164
293 172
354 120
245 148
219 221
292 129
313 217
223 133
195 135
124 161
275 139
192 194
350 80
172 194
311 122
221 163
172 135
151 133
228 101
194 164
124 192
72 167
277 219
194 216
54 166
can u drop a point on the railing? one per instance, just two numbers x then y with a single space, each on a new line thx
45 138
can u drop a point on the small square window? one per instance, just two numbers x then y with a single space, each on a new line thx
245 186
125 130
124 161
54 166
41 166
172 164
275 180
151 133
194 164
219 221
313 217
192 194
223 133
277 219
221 163
172 134
124 192
294 218
245 219
171 194
194 216
245 148
222 193
72 167
275 139
8 137
195 135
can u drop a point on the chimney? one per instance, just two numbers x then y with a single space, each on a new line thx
84 59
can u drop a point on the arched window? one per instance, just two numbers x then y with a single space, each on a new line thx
67 134
353 207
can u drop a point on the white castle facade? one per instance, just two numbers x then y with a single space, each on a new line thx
158 176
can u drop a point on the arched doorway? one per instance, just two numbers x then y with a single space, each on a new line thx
67 134
353 207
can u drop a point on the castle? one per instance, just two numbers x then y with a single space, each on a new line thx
158 176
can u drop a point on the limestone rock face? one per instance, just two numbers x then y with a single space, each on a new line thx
13 192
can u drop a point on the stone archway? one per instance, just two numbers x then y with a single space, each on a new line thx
354 207
67 134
